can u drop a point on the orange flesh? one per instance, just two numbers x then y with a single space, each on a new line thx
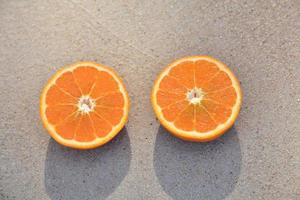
215 106
62 100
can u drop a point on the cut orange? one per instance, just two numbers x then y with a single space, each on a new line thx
84 105
197 98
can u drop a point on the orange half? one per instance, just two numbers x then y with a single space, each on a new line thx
197 98
84 105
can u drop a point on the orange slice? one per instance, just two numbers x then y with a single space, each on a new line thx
84 105
197 98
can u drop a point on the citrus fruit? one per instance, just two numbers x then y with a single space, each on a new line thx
84 105
196 98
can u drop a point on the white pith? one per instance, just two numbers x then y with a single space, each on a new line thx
195 95
86 104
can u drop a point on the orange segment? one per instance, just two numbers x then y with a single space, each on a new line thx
85 130
197 98
85 77
84 105
56 96
112 115
217 111
203 120
226 96
170 84
101 126
219 81
172 111
165 98
67 83
68 127
184 73
204 71
58 113
101 89
185 119
111 100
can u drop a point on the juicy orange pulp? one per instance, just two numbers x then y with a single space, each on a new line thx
197 98
84 105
